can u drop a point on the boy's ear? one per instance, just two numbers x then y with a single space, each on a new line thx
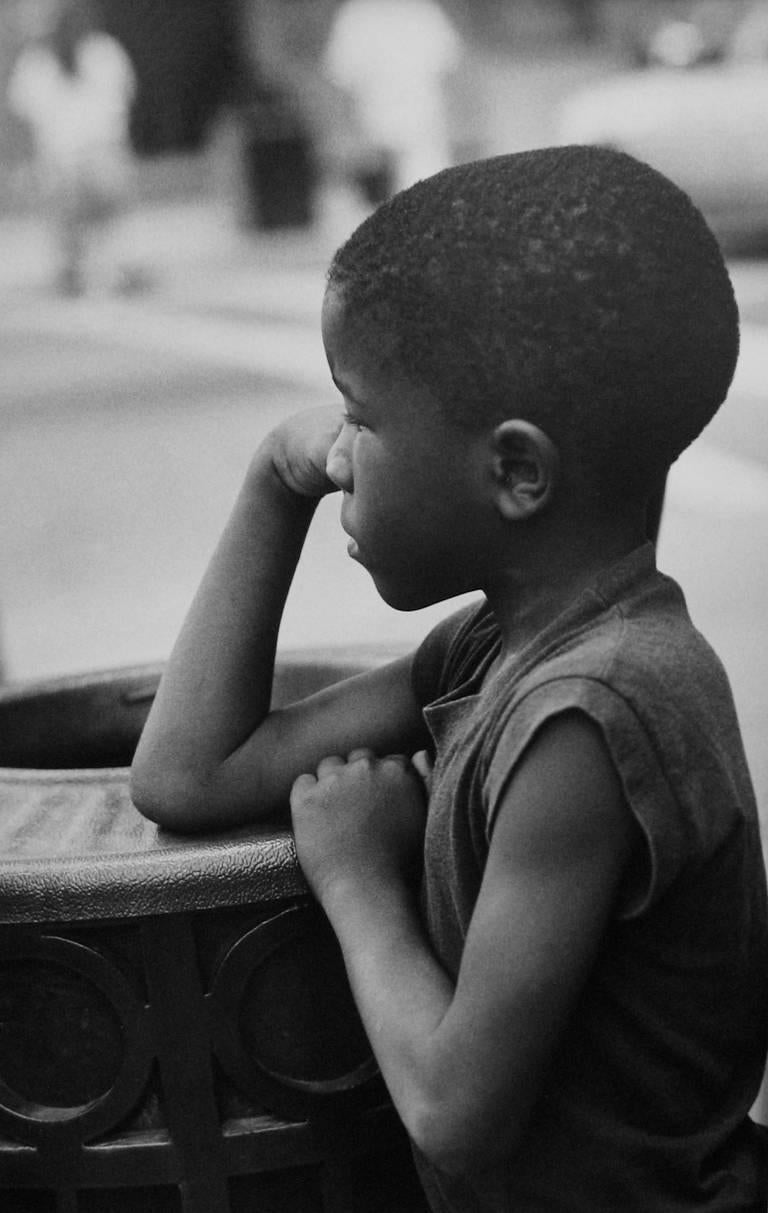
526 469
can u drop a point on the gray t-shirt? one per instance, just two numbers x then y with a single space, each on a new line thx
647 1105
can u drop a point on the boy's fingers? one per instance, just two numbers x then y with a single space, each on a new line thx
402 760
301 785
327 765
361 752
423 763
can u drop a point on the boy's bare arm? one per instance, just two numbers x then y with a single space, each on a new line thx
464 1063
211 753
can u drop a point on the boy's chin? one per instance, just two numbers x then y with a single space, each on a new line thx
408 596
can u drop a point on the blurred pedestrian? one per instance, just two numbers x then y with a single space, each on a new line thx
73 87
391 58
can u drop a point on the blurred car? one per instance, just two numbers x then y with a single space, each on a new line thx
706 128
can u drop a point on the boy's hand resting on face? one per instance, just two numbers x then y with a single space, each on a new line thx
360 818
299 449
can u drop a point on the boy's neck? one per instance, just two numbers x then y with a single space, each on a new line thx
534 588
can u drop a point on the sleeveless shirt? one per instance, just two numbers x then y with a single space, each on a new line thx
646 1105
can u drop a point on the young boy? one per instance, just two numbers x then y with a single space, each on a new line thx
556 935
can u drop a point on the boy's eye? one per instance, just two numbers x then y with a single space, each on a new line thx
354 422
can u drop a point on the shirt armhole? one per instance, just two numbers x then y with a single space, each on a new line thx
646 788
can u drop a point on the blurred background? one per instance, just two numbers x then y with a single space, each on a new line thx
153 330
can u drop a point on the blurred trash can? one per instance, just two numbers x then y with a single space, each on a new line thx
279 165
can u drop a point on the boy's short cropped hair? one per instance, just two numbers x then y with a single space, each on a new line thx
574 287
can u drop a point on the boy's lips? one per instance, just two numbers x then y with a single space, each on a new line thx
353 548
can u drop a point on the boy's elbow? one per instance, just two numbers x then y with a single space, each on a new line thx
188 800
171 801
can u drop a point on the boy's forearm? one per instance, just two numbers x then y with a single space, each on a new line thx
402 993
216 687
433 1061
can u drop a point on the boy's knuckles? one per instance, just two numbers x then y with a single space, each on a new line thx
360 755
300 448
397 760
329 765
302 784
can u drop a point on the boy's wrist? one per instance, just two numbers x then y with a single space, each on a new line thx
379 895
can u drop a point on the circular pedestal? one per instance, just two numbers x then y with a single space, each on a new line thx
176 1029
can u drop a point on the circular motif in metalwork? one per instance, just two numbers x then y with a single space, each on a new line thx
285 1027
72 1048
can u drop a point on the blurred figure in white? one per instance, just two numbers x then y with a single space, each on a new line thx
391 58
676 44
73 87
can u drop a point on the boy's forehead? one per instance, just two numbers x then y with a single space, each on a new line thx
365 363
332 314
362 340
340 319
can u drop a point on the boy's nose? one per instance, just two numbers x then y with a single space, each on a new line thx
338 464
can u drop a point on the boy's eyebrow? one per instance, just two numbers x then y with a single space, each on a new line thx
345 391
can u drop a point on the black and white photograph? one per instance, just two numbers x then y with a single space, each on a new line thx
383 606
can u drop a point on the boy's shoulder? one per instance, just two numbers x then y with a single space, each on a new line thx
630 650
637 668
630 625
636 640
625 653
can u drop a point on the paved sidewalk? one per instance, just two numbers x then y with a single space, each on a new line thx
178 242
